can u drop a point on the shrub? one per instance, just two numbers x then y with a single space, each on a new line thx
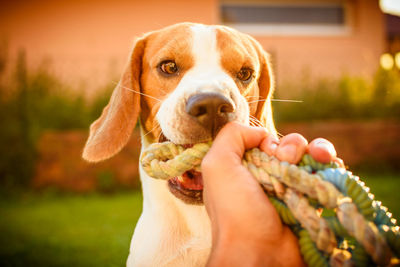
33 101
347 98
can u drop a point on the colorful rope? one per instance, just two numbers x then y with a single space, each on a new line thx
357 231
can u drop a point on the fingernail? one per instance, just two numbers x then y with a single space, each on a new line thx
325 146
273 146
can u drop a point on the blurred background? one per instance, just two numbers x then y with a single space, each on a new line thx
58 62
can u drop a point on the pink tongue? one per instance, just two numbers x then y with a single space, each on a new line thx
192 180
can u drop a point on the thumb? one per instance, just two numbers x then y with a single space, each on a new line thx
235 139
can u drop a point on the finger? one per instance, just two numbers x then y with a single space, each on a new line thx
269 144
228 147
291 148
227 151
340 162
236 138
322 150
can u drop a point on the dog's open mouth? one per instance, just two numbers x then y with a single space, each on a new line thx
189 186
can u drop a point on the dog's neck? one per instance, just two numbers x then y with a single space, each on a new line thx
181 230
158 199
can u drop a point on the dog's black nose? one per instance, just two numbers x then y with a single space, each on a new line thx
210 109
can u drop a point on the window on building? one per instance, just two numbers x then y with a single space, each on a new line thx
325 17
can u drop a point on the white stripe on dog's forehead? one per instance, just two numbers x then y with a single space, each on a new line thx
204 46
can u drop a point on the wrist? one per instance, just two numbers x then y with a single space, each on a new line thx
235 252
232 249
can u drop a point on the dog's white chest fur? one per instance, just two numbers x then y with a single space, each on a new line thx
169 232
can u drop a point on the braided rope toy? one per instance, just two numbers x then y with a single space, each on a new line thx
352 230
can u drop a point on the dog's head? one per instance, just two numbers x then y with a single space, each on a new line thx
185 82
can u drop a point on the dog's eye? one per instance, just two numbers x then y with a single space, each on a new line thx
168 67
244 74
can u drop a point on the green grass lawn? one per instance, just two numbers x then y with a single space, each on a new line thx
386 188
92 230
95 230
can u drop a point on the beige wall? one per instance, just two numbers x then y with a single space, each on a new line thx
88 41
356 53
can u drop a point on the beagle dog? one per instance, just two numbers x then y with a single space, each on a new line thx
183 83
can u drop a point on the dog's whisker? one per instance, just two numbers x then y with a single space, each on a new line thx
287 100
255 121
251 116
277 100
159 135
254 118
257 124
157 126
255 101
140 93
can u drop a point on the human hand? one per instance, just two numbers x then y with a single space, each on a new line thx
246 228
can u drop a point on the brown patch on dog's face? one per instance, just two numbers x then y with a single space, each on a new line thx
239 54
171 44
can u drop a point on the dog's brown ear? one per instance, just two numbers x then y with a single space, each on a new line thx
111 131
266 88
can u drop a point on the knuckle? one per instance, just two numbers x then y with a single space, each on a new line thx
298 137
228 128
231 125
207 162
271 138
